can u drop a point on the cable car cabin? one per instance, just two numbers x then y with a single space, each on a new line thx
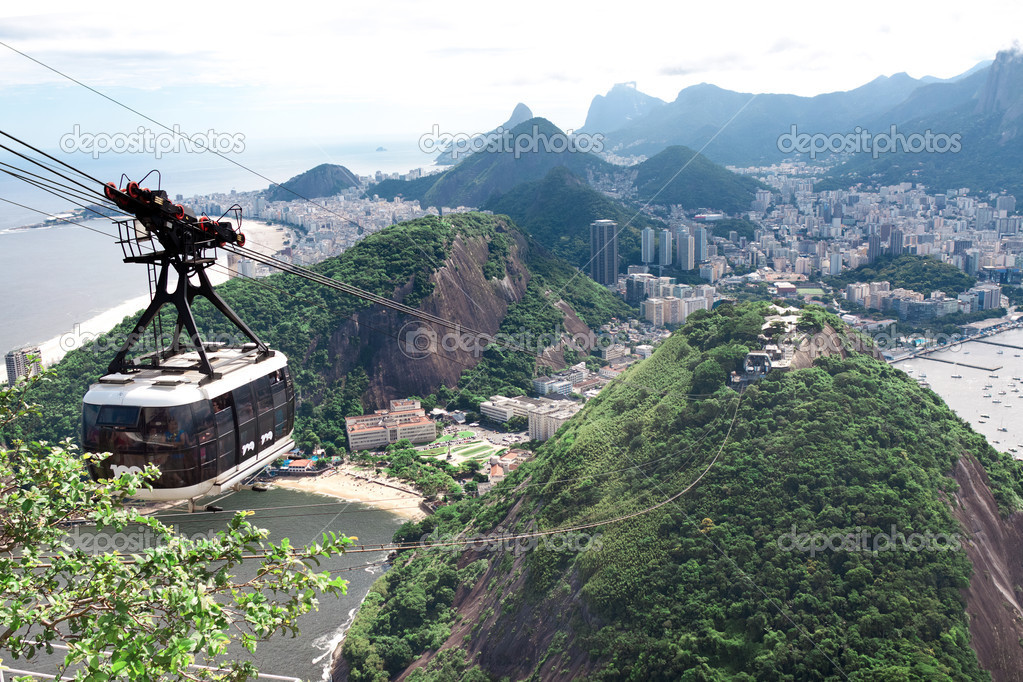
203 437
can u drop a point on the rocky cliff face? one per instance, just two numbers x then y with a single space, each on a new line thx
1002 96
994 599
383 341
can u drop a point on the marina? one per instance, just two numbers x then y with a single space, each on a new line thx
981 390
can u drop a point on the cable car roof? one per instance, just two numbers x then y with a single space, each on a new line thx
172 385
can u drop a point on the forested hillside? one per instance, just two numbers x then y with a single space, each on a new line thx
719 582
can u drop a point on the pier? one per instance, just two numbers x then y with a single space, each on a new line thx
995 343
960 364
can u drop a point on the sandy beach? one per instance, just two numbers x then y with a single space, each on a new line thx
382 493
260 237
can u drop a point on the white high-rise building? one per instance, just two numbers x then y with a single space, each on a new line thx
685 250
18 364
665 247
700 247
647 245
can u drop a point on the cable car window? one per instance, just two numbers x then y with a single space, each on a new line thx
122 416
204 424
263 396
90 432
243 406
287 382
222 402
167 428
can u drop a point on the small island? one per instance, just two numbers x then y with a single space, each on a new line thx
381 149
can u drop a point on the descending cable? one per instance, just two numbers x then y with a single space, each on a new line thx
185 516
52 158
70 191
350 289
59 195
56 217
57 173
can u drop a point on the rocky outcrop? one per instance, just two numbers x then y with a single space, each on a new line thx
994 599
403 356
1001 94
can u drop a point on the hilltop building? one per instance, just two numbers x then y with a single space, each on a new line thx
405 419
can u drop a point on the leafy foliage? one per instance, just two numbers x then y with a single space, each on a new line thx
146 616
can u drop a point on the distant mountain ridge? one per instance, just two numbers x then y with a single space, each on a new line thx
743 128
984 111
557 211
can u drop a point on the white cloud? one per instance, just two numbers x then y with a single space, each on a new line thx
402 66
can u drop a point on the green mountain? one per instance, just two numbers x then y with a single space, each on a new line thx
488 174
679 175
348 356
325 180
457 151
557 212
722 537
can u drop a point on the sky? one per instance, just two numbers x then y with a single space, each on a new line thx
344 70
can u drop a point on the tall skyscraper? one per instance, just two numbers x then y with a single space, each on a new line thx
665 248
700 246
685 253
19 366
647 245
896 246
873 247
836 263
604 252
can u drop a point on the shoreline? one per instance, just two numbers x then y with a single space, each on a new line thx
343 483
265 239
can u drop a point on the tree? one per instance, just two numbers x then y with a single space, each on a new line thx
708 377
148 615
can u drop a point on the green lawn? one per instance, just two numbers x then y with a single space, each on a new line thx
480 449
466 434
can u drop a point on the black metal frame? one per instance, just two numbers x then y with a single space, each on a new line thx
183 251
